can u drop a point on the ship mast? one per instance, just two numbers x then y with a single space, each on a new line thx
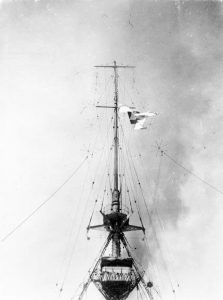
115 205
116 249
117 275
115 196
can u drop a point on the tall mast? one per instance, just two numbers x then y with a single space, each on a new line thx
116 275
115 194
115 204
116 245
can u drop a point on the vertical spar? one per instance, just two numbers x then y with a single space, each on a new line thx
115 205
117 275
116 249
115 195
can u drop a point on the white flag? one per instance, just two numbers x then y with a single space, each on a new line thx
136 118
139 119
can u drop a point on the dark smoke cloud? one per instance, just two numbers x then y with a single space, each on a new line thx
179 53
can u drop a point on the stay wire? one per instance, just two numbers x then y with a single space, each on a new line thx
101 156
149 215
43 203
99 163
160 222
138 211
122 173
92 145
129 155
155 197
68 259
71 231
139 214
150 218
131 177
108 161
103 152
157 181
153 267
89 224
103 198
193 174
138 182
125 175
107 180
93 184
168 252
129 198
75 242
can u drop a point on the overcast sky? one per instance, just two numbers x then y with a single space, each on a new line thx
47 93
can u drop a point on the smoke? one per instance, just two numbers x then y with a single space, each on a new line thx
186 59
179 56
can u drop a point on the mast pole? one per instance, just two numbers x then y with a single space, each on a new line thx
116 246
115 205
115 195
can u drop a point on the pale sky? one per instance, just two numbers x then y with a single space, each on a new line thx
48 91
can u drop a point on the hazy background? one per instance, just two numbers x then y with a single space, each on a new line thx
47 93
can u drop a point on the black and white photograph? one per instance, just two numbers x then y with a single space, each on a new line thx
111 152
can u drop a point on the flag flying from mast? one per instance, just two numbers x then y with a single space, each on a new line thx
137 118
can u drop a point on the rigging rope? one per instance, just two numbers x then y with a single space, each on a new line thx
190 172
155 210
161 224
108 161
103 198
43 203
94 142
129 200
147 209
74 244
89 224
71 231
103 154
